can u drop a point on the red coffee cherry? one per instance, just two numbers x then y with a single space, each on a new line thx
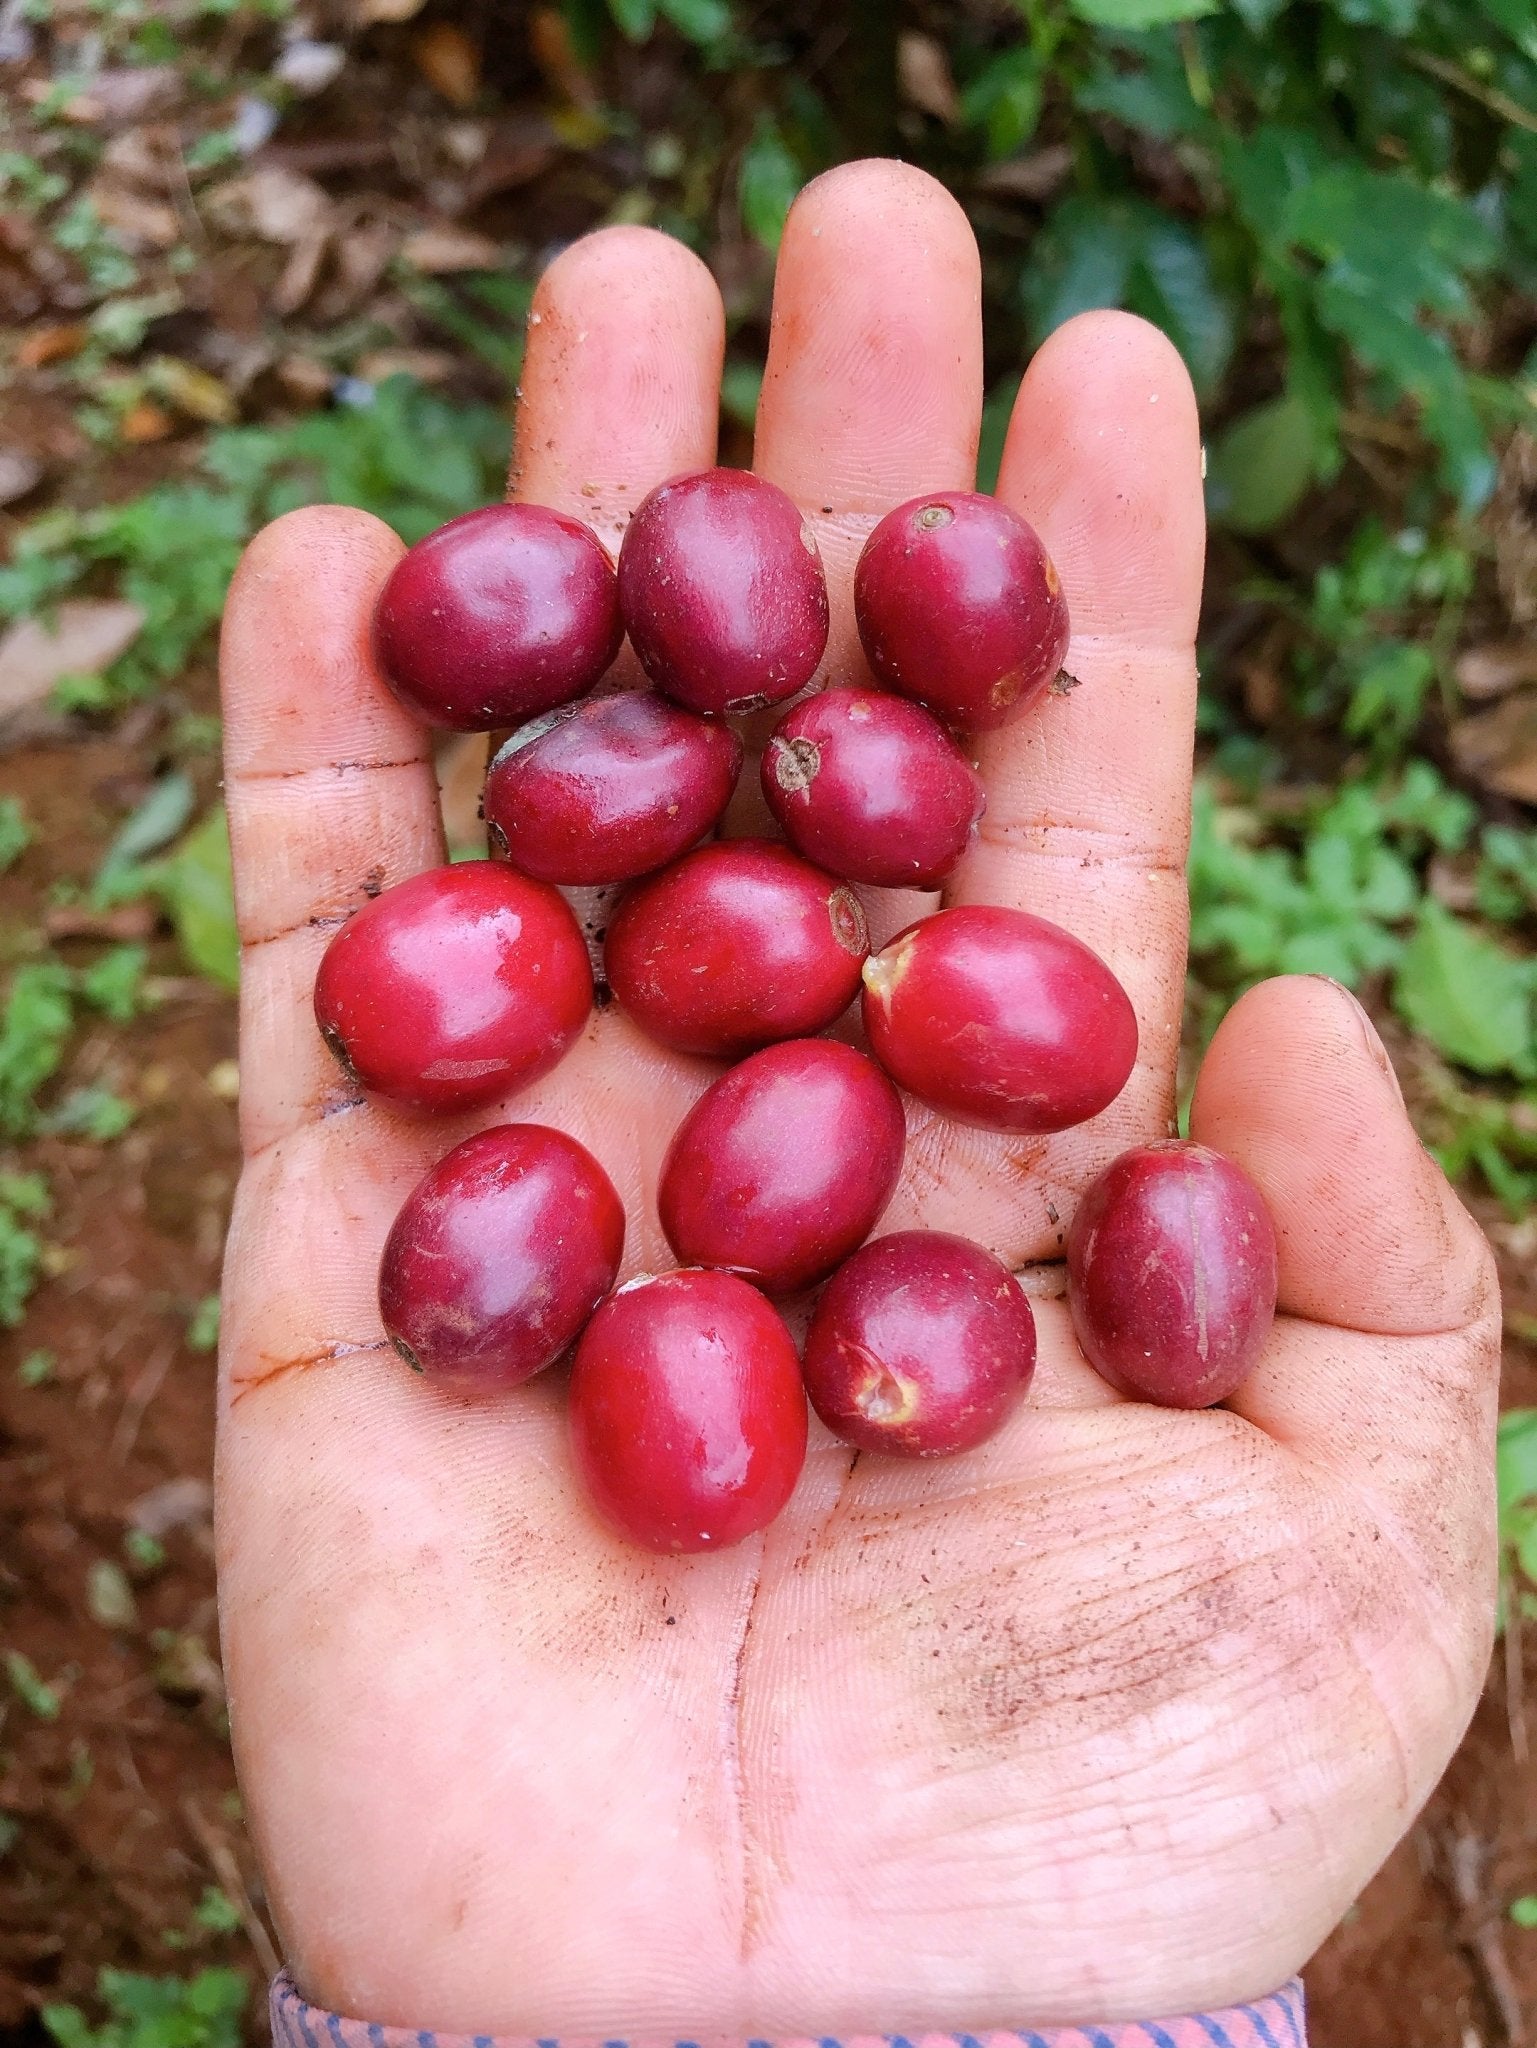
610 789
722 591
455 987
872 788
738 944
922 1344
1000 1018
688 1419
499 614
1171 1267
784 1165
498 1257
959 607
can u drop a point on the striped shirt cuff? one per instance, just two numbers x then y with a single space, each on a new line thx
1274 2022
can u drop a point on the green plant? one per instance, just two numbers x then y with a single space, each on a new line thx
202 2011
1516 1483
24 1201
40 1700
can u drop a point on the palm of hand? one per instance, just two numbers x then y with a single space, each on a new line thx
1112 1716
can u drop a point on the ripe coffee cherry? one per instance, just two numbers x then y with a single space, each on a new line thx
784 1165
737 944
1171 1270
722 591
921 1345
959 606
502 613
499 1256
1000 1018
455 987
610 789
872 788
688 1419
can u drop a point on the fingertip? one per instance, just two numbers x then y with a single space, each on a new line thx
621 380
875 192
287 549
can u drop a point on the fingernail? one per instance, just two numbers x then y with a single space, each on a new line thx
1371 1038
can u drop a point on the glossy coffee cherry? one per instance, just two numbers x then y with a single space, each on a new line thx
738 944
872 788
688 1419
455 987
960 607
784 1165
499 614
1001 1019
1171 1269
499 1256
610 789
921 1344
722 591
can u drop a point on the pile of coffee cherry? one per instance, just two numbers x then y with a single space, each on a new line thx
462 985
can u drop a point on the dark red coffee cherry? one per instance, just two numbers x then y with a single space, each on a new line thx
499 1256
454 988
610 789
959 607
739 943
1000 1018
872 788
921 1344
688 1419
499 614
1171 1268
722 591
784 1165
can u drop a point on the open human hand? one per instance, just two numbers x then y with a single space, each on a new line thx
1113 1716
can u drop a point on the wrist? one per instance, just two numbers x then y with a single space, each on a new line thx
1272 2022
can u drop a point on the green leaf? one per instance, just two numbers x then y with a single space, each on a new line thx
740 385
33 1032
1155 98
114 983
767 183
1516 1458
15 832
154 824
196 886
1004 100
1523 1911
40 1700
702 21
1470 997
1082 261
203 1325
1173 285
1138 14
634 18
1259 467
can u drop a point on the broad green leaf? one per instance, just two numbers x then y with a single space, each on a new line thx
1173 285
1397 17
154 824
634 18
1257 15
1082 261
1004 100
1155 98
196 888
767 184
1136 14
702 21
1470 997
1516 1457
1259 467
997 411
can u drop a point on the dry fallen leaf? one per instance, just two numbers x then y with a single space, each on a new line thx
442 250
300 273
923 71
276 204
449 62
46 345
366 12
1513 516
143 422
192 391
85 636
123 96
151 223
307 67
555 52
20 472
305 379
1495 667
426 365
1498 748
1036 176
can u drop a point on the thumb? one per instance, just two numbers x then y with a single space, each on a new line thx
1299 1089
